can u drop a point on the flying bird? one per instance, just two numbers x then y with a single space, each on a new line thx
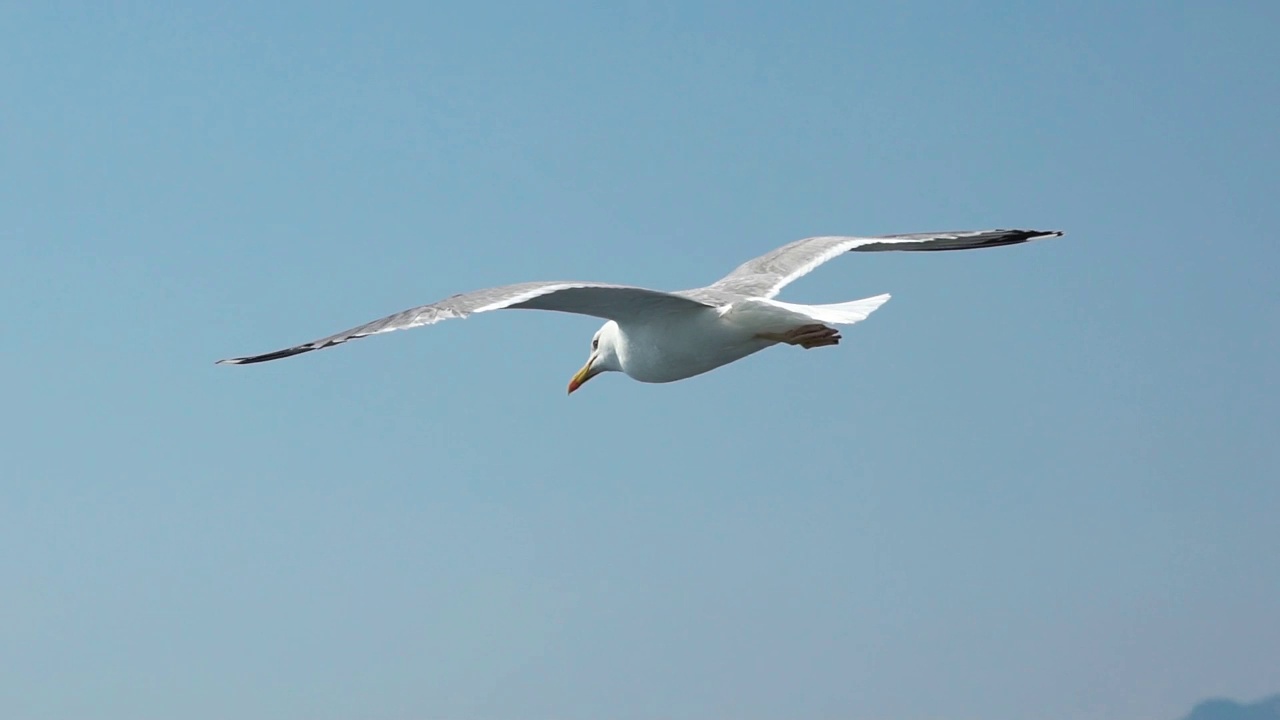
658 337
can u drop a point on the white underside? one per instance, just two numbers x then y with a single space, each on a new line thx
680 345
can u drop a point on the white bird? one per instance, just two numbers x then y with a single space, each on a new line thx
659 337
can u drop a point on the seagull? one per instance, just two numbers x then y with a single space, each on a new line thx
660 337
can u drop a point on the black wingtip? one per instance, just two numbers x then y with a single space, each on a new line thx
1042 233
1017 237
290 352
999 238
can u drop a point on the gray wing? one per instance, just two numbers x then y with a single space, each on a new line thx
766 275
612 302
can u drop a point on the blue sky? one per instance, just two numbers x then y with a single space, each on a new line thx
1040 482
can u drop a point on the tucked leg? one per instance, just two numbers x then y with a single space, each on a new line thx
806 336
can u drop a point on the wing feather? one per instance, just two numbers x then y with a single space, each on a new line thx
613 302
764 276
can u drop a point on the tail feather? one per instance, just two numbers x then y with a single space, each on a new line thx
846 313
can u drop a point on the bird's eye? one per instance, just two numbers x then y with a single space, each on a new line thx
595 343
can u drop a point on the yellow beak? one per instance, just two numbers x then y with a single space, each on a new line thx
581 377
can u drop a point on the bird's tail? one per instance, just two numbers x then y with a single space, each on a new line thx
846 313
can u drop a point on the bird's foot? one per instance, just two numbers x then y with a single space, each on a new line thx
806 336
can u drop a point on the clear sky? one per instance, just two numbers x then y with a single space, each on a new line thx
1042 482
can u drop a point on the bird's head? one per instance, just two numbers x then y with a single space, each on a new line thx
603 358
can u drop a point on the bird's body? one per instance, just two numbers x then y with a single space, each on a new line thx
680 345
660 337
685 343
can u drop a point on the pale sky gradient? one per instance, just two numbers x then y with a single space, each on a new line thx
1041 482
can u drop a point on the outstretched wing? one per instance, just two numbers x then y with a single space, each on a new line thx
766 275
612 302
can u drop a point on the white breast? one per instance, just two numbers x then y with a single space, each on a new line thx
680 345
